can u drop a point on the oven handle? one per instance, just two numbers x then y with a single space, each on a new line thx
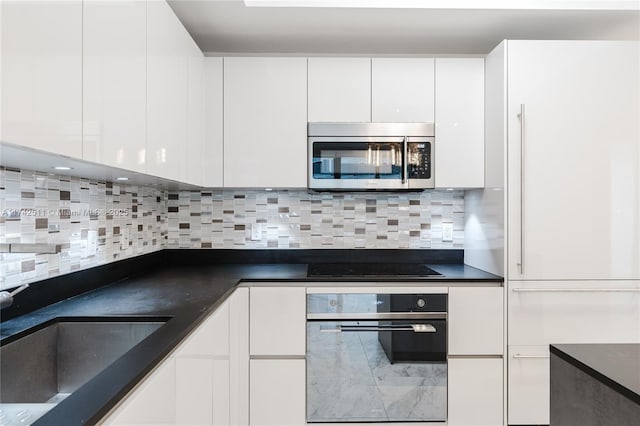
416 328
372 316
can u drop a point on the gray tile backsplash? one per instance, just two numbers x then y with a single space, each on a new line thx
95 222
300 219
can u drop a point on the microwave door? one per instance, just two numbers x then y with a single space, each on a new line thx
356 163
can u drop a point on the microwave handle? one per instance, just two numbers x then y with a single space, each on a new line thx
405 159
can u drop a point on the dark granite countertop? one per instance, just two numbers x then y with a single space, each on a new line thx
616 365
187 294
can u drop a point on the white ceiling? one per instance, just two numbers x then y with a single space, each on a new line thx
228 26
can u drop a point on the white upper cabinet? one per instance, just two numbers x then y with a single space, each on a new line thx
573 208
213 143
195 115
459 118
167 75
42 75
114 75
265 122
402 90
339 89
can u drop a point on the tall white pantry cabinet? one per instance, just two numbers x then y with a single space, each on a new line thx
568 116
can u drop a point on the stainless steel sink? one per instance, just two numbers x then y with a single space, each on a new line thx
48 362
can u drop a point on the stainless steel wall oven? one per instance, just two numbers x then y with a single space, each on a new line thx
376 357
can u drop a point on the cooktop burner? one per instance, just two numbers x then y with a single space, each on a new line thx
369 269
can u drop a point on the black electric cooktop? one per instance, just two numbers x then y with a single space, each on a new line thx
370 269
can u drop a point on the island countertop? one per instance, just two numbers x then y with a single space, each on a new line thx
617 365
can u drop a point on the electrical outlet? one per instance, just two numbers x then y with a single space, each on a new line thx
256 231
447 232
92 243
124 239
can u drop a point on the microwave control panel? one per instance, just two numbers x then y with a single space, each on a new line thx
419 164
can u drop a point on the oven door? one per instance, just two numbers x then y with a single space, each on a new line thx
351 378
357 163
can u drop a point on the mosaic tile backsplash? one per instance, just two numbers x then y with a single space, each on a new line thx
92 222
257 219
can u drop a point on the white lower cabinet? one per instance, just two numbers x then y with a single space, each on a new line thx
476 325
528 385
194 391
546 312
211 379
190 387
277 329
278 318
476 346
239 357
151 403
277 392
475 391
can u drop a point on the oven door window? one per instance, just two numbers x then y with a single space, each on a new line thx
376 371
357 160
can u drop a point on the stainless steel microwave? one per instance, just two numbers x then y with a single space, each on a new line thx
370 156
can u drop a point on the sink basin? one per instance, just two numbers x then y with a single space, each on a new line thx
46 363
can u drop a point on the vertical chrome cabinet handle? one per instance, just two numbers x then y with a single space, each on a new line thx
405 160
522 144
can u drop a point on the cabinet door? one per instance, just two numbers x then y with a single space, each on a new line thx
213 145
114 78
459 150
402 90
239 357
192 386
265 124
152 402
475 392
476 321
41 45
195 115
166 93
277 318
203 372
194 390
528 385
541 313
277 392
581 159
339 89
211 338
